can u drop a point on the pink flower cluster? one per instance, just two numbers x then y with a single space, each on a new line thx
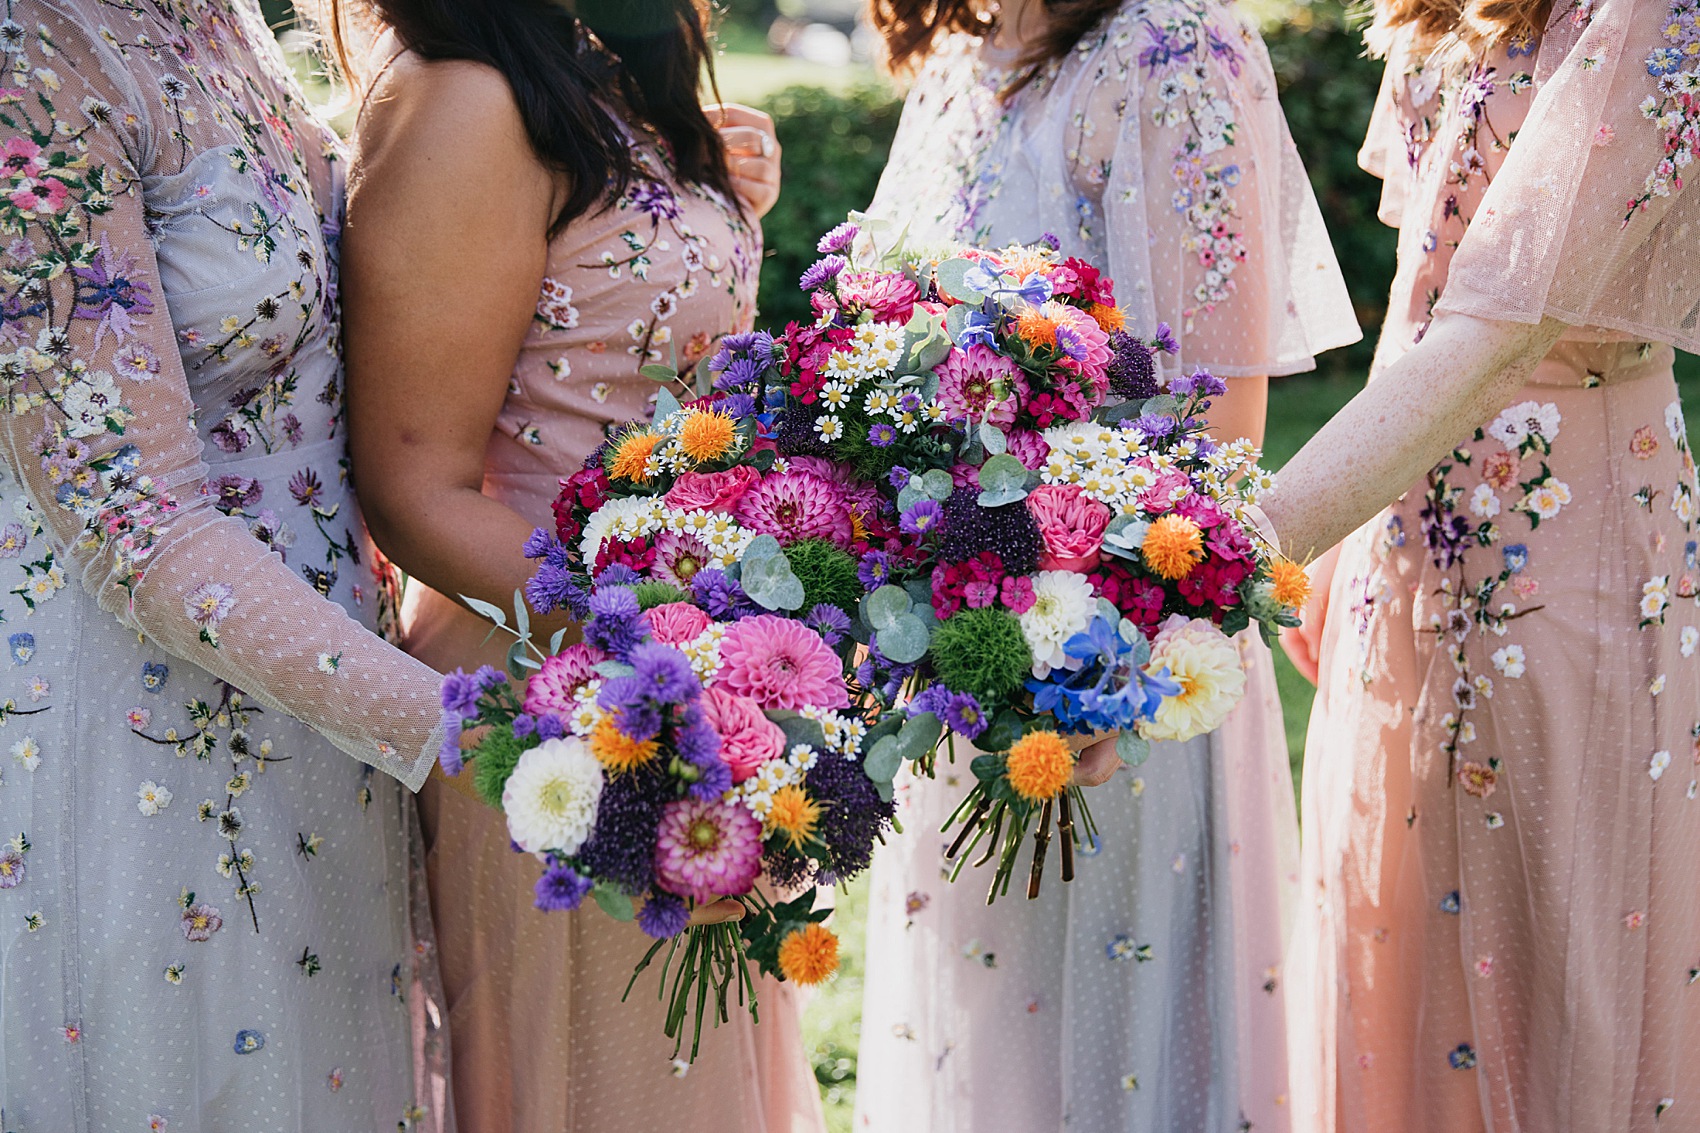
979 582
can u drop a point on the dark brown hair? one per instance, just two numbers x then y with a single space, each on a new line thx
570 93
910 29
1473 25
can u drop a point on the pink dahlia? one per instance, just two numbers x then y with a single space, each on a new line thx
551 688
678 557
748 738
707 850
792 506
864 497
711 491
891 296
674 623
977 382
1072 524
781 665
1029 448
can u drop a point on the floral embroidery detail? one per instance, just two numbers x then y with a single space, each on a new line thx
555 307
249 1041
12 865
1463 1057
1643 444
1479 779
1451 904
1674 108
334 1080
1634 920
27 753
151 798
207 605
154 676
34 921
1656 768
200 921
22 646
174 974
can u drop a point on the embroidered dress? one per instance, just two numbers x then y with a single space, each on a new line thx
543 1043
204 903
1146 994
1502 804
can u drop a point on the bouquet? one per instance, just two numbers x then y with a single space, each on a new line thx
707 732
1055 547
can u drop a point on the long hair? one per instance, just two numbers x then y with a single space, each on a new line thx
911 28
571 95
1465 27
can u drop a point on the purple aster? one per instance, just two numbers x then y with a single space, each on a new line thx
880 672
740 373
1165 340
828 621
617 574
882 435
488 678
739 405
525 725
838 239
821 272
964 716
922 517
560 888
1049 239
910 402
553 588
1070 342
761 347
459 695
720 597
621 846
1008 532
1154 425
935 698
537 544
663 916
614 626
1183 385
664 673
1209 384
549 727
449 756
875 570
898 477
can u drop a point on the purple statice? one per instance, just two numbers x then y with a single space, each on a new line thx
664 673
964 716
459 695
621 846
614 626
537 544
663 916
720 597
822 271
874 571
524 725
1008 532
882 434
1165 339
1132 369
561 889
549 727
828 621
922 517
1154 425
488 678
838 239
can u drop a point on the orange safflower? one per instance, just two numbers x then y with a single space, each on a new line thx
1173 546
631 455
617 751
1111 319
793 814
707 435
1292 584
1040 765
809 955
1032 325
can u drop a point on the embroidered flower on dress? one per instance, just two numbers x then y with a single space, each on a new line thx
151 798
200 922
1463 1057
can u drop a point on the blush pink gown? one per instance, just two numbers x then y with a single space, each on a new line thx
1501 876
541 1041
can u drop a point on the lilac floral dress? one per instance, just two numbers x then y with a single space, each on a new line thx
1147 994
1501 924
204 902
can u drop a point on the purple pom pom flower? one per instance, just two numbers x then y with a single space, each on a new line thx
663 916
561 889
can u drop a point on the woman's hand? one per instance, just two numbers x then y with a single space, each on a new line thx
721 912
1096 759
1303 644
752 153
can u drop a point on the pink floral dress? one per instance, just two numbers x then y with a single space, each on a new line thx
1502 787
543 1043
204 902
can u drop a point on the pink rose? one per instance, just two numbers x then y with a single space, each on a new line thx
712 491
1072 525
675 623
748 739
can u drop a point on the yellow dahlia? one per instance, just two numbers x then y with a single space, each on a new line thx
809 955
1173 546
1040 765
1205 663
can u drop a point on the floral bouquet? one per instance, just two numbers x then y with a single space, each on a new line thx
707 732
1055 548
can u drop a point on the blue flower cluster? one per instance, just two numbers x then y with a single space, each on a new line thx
1111 690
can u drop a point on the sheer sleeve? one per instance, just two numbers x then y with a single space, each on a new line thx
1588 221
1394 133
1207 200
99 425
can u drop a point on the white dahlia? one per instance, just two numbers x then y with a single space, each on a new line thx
1063 605
552 795
1206 664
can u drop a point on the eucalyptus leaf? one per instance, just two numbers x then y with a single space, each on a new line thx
1107 610
704 376
911 494
518 662
932 350
555 640
613 669
1166 404
883 760
487 609
1120 411
665 403
656 372
764 459
906 640
992 437
930 383
1003 480
613 902
937 484
802 730
1133 748
953 280
770 582
920 735
920 591
886 605
956 321
522 617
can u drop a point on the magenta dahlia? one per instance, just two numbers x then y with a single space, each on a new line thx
780 664
551 688
793 506
891 296
707 850
977 382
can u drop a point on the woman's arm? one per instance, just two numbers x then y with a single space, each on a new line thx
443 257
1416 410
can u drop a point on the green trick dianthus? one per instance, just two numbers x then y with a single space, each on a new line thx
653 592
982 651
828 575
493 760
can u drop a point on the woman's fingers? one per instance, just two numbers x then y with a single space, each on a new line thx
1097 763
748 141
720 912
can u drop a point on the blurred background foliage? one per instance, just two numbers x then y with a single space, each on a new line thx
807 62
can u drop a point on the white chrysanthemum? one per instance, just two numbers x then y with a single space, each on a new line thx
552 796
585 715
1204 662
1063 605
704 652
627 517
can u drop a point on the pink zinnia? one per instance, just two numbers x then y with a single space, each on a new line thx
707 850
748 738
781 665
977 382
679 557
675 623
551 688
1072 524
792 506
890 296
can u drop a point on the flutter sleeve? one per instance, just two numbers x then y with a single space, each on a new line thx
98 426
1397 127
1211 218
1588 220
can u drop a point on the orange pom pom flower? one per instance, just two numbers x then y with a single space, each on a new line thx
617 751
1173 546
809 955
1040 765
707 435
631 456
1291 583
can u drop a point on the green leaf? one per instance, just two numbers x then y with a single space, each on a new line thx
1163 403
656 372
1133 748
883 760
555 640
987 768
518 661
801 730
487 609
886 605
920 735
522 617
613 669
906 640
764 459
665 403
953 279
1001 735
704 376
992 437
1120 411
937 484
615 903
1003 480
911 494
767 577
